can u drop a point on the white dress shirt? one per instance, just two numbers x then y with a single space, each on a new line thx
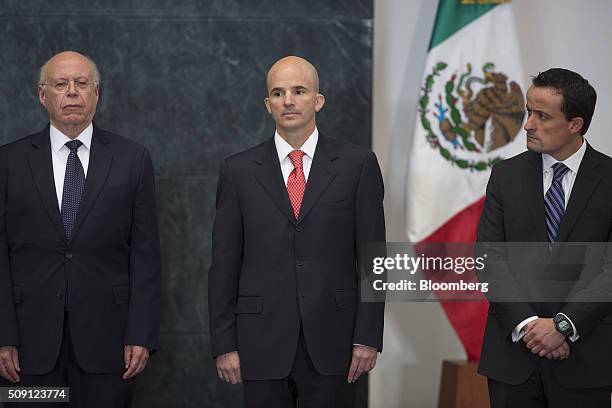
60 152
573 164
283 149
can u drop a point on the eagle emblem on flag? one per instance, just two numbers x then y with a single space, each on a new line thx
471 115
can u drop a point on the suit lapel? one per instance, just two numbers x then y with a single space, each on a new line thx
321 174
41 166
269 175
586 181
100 159
534 194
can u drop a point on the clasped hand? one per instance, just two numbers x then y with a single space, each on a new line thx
543 339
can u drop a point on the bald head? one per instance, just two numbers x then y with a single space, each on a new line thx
63 57
293 98
295 64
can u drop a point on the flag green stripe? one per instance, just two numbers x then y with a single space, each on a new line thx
452 16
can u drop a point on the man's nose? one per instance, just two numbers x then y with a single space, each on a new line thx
529 123
288 99
72 89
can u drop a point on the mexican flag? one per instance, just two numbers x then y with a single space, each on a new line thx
470 114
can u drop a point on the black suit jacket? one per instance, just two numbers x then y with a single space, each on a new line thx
109 269
514 212
271 273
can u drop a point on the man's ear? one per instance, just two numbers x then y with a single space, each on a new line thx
41 96
576 124
319 102
267 102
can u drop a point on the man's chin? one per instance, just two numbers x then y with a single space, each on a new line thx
533 147
73 120
72 123
291 125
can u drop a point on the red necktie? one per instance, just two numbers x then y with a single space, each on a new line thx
296 183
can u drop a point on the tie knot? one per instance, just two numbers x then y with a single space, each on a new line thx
296 158
559 170
74 144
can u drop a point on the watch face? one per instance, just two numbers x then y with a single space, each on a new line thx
563 325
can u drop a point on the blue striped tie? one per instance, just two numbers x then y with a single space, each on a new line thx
554 201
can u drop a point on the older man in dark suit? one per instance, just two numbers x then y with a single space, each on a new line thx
79 248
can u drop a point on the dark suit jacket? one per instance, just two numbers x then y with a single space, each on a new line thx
514 212
271 273
109 269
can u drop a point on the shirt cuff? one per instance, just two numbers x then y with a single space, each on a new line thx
518 331
574 336
363 345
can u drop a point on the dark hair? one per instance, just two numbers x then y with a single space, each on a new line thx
579 96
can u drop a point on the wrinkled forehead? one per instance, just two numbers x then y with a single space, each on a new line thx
69 67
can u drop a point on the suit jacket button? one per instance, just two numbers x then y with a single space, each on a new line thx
298 228
58 294
68 255
299 264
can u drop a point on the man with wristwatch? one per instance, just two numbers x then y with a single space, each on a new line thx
549 328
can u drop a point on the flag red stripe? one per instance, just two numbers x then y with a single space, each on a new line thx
467 318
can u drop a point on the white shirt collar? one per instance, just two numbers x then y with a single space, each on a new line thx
58 139
572 162
283 148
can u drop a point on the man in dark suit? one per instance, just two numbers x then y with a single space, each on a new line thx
549 329
79 248
285 311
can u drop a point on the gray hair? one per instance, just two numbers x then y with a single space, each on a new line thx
42 72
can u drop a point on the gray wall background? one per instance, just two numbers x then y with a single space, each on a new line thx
186 79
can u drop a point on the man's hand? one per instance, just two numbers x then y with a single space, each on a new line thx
560 353
364 359
135 358
542 337
9 363
228 367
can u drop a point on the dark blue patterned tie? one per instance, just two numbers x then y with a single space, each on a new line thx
74 181
554 201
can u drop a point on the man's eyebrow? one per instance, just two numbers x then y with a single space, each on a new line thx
539 111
